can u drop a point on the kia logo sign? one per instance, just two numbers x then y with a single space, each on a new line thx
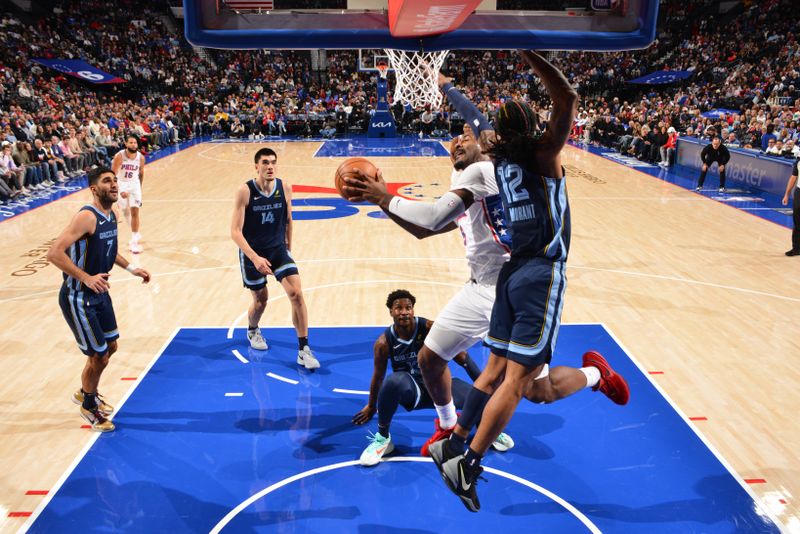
381 125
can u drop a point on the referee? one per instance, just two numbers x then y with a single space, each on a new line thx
792 186
715 152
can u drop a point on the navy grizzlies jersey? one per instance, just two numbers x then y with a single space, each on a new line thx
95 253
536 211
403 352
265 217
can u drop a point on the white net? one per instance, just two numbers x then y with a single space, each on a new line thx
417 77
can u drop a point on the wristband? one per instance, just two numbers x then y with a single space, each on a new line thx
130 268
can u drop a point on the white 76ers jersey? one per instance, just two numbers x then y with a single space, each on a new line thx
483 227
128 172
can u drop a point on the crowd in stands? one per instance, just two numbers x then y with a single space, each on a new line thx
53 127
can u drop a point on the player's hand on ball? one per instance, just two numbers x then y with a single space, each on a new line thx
364 415
363 188
97 283
262 265
141 273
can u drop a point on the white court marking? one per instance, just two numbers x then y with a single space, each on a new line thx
761 508
239 356
527 483
339 284
351 391
283 379
328 260
234 394
94 437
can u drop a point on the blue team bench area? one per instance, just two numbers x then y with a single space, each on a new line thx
218 437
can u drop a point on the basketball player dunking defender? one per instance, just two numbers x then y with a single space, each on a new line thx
473 202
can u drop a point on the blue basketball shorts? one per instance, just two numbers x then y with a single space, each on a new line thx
527 310
91 318
279 257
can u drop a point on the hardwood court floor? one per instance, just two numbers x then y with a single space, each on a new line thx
694 289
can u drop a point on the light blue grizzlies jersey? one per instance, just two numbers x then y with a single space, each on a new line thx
94 254
265 217
536 211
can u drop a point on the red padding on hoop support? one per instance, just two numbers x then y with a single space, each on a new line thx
420 18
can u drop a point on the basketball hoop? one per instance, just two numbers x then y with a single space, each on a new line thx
383 69
417 77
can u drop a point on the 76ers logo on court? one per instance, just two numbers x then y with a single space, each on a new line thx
335 207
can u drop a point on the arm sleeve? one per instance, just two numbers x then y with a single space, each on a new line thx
794 168
433 216
466 109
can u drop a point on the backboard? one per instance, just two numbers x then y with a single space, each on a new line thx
495 24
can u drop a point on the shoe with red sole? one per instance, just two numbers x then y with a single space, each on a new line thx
611 384
439 435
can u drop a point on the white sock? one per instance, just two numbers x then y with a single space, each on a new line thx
135 237
447 415
592 376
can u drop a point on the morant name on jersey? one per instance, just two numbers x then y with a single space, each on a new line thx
537 210
521 213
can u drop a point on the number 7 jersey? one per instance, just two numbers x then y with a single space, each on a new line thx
537 211
95 253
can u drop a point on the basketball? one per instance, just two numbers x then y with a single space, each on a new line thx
347 170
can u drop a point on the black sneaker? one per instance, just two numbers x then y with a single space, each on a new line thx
440 453
793 252
462 479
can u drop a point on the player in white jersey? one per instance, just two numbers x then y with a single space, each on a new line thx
473 203
128 165
465 318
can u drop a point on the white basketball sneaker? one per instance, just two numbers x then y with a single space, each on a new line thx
377 448
307 359
503 443
256 339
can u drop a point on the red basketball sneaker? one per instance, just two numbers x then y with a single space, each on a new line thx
611 384
439 435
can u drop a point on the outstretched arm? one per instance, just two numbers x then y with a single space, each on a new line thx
435 216
418 231
564 98
472 116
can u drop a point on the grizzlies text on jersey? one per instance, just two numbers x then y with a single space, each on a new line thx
403 352
90 315
265 216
